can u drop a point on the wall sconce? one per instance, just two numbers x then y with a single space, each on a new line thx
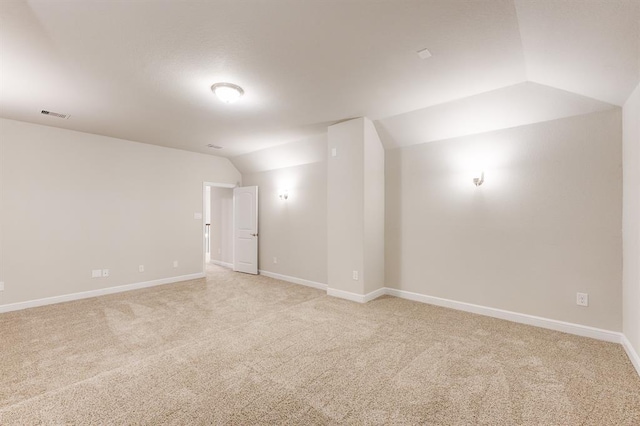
477 181
283 194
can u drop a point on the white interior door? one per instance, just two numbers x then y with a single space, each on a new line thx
245 229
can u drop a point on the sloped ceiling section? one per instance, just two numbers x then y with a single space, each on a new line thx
581 57
307 151
517 105
142 70
582 46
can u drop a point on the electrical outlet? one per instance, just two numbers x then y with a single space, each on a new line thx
96 273
175 263
105 272
275 259
1 286
141 268
582 299
355 275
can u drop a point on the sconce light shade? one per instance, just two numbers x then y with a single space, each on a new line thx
477 181
283 194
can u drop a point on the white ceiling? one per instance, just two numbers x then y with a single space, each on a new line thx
512 106
590 47
142 70
306 151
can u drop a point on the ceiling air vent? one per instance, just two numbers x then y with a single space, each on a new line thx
214 146
54 114
424 54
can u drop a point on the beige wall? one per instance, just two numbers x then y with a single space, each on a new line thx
373 215
355 214
221 224
107 203
545 225
294 230
345 206
631 219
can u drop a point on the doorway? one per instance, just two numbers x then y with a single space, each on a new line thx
218 224
230 233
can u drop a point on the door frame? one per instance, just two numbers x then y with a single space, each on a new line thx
204 222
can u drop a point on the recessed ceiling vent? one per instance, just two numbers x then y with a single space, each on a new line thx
54 114
424 54
214 146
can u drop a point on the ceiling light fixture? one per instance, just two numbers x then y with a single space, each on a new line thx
227 92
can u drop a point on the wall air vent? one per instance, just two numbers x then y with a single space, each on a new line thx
214 146
54 114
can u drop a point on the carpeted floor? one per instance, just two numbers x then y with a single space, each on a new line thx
241 349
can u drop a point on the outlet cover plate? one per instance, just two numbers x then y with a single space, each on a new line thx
582 299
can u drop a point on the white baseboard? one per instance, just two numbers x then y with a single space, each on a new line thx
93 293
355 297
631 353
294 280
221 263
566 327
375 294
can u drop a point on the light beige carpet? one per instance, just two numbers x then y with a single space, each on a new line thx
240 349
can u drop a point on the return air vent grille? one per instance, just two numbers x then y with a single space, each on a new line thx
54 114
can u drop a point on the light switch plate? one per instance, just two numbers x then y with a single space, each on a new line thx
197 216
334 152
96 273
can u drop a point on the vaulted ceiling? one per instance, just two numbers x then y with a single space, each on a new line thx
142 70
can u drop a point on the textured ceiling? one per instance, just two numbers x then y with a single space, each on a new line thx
142 70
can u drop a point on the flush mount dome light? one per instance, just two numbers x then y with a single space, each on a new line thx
227 92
